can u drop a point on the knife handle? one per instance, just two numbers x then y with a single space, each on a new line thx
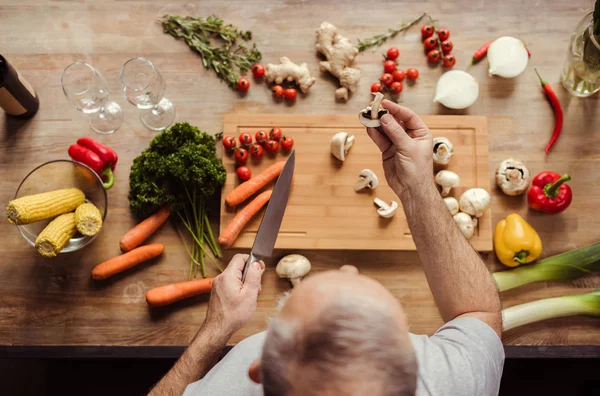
251 260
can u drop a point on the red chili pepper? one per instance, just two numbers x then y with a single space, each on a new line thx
97 156
480 53
558 113
549 194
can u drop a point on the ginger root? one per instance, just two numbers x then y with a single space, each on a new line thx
340 54
288 70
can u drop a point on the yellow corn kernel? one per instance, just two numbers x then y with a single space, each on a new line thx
88 219
43 206
56 235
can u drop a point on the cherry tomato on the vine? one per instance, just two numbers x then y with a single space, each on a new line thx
433 56
287 143
229 142
277 91
443 34
398 75
412 74
396 88
258 70
430 43
427 31
241 155
447 46
275 134
243 84
256 150
376 87
261 136
386 79
290 94
272 145
245 139
389 66
393 53
243 173
449 61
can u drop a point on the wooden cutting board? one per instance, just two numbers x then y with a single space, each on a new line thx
324 211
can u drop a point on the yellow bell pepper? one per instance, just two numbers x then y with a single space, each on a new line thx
516 242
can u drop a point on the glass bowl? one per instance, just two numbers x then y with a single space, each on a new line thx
56 175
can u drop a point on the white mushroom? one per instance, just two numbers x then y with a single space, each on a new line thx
474 201
466 224
452 205
447 179
512 177
367 179
442 150
386 210
293 267
340 145
370 116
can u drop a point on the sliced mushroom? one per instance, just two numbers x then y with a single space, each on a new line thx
466 224
474 201
386 210
367 179
447 179
340 145
452 205
512 177
442 150
293 267
371 116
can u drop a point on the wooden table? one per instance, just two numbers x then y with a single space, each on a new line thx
53 307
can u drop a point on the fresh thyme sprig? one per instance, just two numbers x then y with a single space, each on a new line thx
379 39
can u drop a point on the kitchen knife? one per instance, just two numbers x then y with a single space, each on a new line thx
271 221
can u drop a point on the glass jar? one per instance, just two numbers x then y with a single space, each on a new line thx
581 75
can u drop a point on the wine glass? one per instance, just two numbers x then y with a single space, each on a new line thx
87 90
144 87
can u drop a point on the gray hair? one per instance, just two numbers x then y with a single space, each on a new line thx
354 345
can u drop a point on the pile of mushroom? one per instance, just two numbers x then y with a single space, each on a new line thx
293 267
512 177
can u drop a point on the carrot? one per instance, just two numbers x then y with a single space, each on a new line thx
240 220
249 188
126 260
165 295
138 234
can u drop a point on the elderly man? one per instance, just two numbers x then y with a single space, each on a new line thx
340 333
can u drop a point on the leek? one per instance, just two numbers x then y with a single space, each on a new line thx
548 308
563 267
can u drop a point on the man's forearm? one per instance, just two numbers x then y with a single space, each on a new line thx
458 278
197 360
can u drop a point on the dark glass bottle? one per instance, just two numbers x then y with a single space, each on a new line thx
17 97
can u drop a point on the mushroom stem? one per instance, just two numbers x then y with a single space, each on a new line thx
376 104
364 182
446 191
295 281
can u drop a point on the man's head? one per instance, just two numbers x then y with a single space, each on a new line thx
338 333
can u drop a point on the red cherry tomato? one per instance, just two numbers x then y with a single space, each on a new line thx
393 53
245 139
412 74
261 136
430 43
376 87
272 146
256 151
433 56
287 143
427 31
241 155
258 70
243 173
443 34
449 61
229 142
398 75
277 91
243 84
447 46
386 79
275 134
396 88
290 94
389 66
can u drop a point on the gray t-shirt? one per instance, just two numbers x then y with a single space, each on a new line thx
464 357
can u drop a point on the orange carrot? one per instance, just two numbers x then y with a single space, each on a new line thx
249 188
127 260
165 295
240 220
138 234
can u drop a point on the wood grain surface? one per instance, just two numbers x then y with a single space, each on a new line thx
324 211
55 302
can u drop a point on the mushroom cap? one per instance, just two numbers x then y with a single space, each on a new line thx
442 150
474 201
340 144
365 117
292 266
446 178
451 204
385 210
465 223
512 176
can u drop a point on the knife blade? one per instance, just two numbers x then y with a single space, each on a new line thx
271 221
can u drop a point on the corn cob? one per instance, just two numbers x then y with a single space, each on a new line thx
43 206
88 219
56 235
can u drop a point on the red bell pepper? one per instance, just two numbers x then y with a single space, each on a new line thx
549 194
97 156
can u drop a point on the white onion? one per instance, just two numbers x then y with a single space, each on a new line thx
456 89
507 57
